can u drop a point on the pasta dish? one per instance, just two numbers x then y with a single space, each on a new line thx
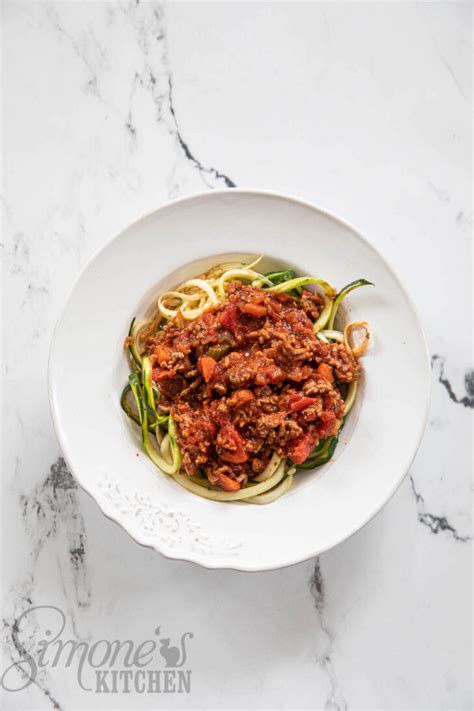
240 379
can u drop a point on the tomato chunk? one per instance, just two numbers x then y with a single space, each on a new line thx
231 443
240 397
253 309
227 483
301 447
237 457
269 374
159 374
300 402
324 371
329 424
207 366
208 318
229 318
162 354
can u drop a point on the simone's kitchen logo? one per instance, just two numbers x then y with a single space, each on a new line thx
154 666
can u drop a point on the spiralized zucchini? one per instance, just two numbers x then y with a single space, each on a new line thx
155 456
361 347
274 494
331 335
251 490
342 295
325 313
350 397
303 281
140 399
195 296
134 343
270 469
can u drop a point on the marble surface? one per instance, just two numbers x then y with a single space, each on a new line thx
111 108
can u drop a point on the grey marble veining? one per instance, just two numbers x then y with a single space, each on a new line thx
110 108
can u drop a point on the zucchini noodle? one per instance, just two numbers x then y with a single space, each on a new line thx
331 335
140 398
360 349
195 296
165 448
159 439
134 345
245 493
325 314
270 469
275 493
350 397
234 274
342 295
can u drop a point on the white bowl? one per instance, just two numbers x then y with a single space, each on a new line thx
88 369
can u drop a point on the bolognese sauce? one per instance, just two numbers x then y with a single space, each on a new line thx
249 378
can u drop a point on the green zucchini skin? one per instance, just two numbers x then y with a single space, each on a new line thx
342 294
321 454
279 277
148 392
298 282
126 407
155 457
133 346
124 404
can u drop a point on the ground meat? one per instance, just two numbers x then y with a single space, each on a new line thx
274 388
312 304
316 387
259 464
288 431
266 423
312 412
346 367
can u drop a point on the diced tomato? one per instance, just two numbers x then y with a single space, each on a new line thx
228 434
240 397
227 483
298 373
253 309
207 366
301 447
258 296
328 416
300 402
229 318
324 372
159 374
272 374
237 457
328 424
162 354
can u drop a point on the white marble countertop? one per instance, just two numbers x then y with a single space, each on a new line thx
109 109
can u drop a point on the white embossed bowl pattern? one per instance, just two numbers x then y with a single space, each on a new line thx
88 369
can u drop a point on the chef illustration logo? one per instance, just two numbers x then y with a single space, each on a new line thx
40 652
